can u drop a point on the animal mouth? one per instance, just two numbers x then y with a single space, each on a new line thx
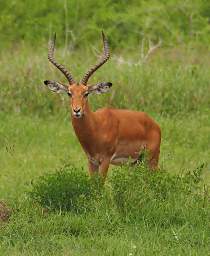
78 115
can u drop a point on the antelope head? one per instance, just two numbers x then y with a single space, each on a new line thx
78 92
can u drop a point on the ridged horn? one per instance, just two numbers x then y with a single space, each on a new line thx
103 59
51 58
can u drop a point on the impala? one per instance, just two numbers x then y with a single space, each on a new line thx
107 136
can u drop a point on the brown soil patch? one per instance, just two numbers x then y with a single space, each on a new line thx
5 212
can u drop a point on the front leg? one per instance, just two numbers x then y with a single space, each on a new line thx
103 168
93 168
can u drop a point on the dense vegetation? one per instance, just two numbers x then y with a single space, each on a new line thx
127 22
56 208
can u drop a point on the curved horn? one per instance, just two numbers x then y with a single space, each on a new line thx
51 58
104 58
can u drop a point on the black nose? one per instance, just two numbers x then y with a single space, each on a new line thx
77 110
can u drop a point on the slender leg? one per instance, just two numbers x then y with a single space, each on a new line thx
153 159
103 169
154 150
93 168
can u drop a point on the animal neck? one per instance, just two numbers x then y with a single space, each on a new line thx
85 127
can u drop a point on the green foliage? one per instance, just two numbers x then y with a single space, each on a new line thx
126 22
167 85
69 189
132 203
159 199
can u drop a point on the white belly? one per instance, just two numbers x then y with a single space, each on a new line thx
118 160
127 152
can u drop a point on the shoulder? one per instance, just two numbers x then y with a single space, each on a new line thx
104 112
106 117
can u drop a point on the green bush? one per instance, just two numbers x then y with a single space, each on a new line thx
131 194
68 189
158 198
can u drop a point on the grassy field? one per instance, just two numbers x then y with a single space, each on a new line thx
136 213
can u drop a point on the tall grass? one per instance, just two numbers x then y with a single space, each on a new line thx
167 87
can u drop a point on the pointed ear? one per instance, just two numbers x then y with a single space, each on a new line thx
100 88
55 86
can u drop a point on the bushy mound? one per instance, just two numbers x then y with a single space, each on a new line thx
68 189
131 194
158 198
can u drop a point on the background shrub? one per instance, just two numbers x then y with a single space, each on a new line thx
126 22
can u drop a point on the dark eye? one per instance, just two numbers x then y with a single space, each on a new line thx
86 94
69 93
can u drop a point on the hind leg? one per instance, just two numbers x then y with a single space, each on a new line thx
153 159
153 148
